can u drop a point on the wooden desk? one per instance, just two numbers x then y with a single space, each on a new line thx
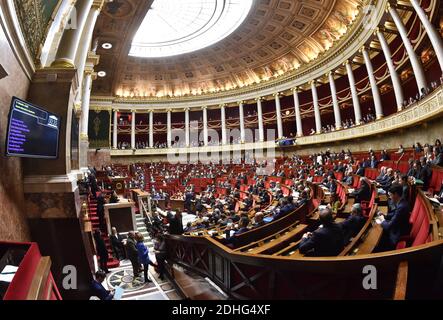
118 184
371 241
121 215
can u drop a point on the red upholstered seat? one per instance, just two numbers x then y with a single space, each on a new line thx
366 206
436 180
420 226
339 175
403 166
356 183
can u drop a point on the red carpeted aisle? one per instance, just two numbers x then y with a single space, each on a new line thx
92 209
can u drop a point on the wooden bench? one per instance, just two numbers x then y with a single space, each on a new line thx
269 244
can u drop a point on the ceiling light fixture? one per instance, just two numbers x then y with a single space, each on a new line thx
107 45
101 74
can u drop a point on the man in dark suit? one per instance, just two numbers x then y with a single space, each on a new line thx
331 185
102 251
438 158
348 179
189 196
361 170
132 253
285 208
327 240
374 162
175 223
242 228
396 223
117 244
353 224
387 180
101 211
364 192
97 288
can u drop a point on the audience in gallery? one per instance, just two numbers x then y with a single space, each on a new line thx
212 209
346 124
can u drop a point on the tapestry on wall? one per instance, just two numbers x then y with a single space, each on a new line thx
34 17
99 129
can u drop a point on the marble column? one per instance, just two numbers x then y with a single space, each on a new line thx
151 128
187 129
223 124
352 86
416 65
69 43
169 128
278 114
374 89
298 121
86 39
242 121
434 36
205 125
335 105
395 78
261 130
316 107
115 130
86 98
132 129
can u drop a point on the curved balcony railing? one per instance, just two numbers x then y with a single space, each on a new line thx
423 110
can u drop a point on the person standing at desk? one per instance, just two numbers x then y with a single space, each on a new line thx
114 198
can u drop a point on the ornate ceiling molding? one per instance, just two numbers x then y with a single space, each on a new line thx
358 36
301 29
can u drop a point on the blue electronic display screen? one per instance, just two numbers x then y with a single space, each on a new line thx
32 131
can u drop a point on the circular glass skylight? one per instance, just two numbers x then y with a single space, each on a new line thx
173 27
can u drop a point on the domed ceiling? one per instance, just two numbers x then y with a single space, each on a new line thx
266 40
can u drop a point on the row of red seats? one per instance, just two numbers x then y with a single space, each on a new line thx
420 226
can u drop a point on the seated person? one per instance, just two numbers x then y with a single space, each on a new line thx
353 224
364 192
438 157
327 240
382 174
97 288
361 170
335 203
242 227
396 223
348 179
374 162
258 220
331 185
302 200
386 183
439 196
248 202
285 208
